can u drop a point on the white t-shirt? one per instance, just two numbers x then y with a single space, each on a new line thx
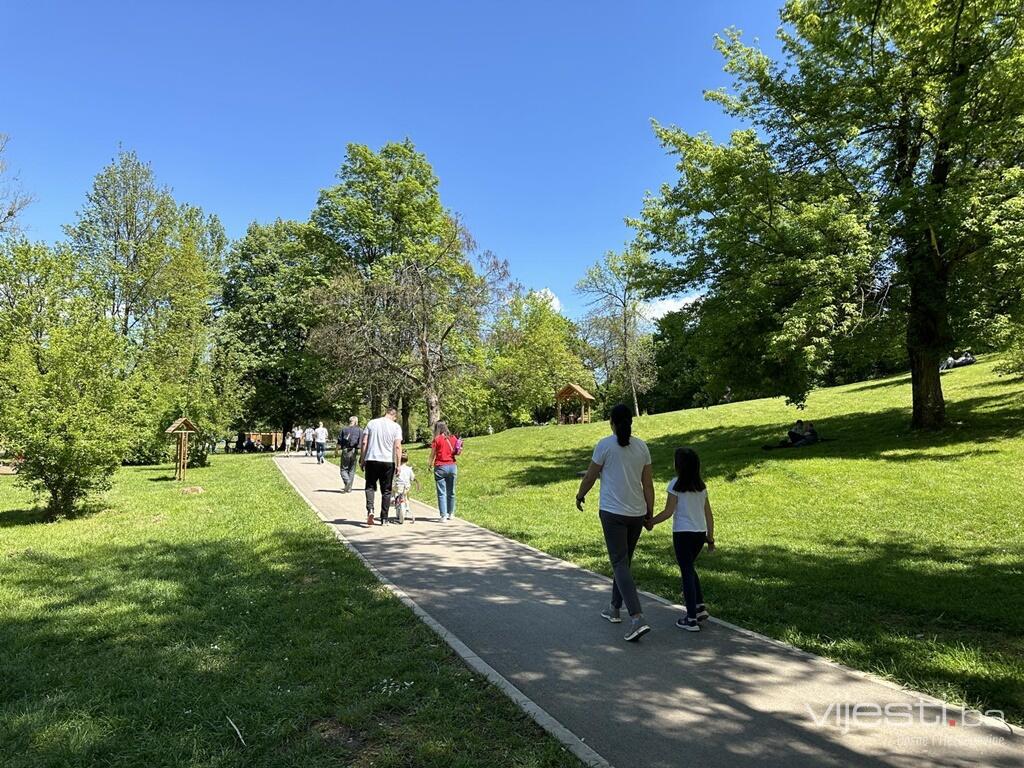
622 490
403 482
308 434
320 433
689 514
381 436
297 433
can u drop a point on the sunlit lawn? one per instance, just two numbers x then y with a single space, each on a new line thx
130 636
889 551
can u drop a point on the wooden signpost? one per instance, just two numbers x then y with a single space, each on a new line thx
182 428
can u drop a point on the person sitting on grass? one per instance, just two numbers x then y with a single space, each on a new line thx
800 435
693 526
797 433
404 478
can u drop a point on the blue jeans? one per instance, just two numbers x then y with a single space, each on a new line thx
445 477
321 448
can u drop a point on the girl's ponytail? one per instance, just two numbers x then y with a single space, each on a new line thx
622 423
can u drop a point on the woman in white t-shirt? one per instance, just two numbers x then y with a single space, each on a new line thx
623 463
693 525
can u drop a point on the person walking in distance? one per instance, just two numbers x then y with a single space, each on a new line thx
307 440
381 452
349 441
297 438
443 451
320 440
623 463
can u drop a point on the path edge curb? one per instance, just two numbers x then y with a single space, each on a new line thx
538 714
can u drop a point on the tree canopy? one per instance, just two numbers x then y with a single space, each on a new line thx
889 128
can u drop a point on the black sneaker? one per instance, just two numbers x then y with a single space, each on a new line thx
702 613
688 624
611 614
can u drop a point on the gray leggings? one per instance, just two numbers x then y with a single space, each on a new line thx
621 533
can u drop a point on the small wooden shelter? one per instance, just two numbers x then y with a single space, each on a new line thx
577 401
182 428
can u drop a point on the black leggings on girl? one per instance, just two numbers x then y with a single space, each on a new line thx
688 545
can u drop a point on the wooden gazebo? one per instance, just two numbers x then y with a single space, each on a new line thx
577 398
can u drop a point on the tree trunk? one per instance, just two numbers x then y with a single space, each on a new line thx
406 411
928 340
433 408
929 405
627 360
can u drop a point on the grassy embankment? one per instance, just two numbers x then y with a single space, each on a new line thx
889 551
129 636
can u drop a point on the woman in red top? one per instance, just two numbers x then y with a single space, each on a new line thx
442 459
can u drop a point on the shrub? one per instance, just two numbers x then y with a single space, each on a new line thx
65 409
1014 360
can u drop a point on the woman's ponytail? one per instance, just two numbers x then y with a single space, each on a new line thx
622 423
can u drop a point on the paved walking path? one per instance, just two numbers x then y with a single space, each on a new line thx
721 697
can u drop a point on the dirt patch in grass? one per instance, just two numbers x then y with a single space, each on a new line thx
337 734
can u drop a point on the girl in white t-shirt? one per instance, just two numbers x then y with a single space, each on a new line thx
693 525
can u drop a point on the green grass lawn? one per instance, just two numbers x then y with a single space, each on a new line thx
129 636
889 551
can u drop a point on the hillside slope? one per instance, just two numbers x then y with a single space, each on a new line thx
890 551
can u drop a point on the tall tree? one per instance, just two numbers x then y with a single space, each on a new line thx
268 315
12 199
614 291
123 241
680 377
36 284
915 105
151 267
781 259
534 353
405 286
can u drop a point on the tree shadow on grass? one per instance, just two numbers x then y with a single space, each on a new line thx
735 451
37 515
10 518
143 651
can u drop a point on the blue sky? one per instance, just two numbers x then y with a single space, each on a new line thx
534 115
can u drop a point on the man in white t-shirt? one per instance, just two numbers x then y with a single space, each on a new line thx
381 451
307 441
296 436
320 438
